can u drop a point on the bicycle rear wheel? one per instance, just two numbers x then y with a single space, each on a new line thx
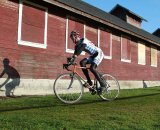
111 91
68 88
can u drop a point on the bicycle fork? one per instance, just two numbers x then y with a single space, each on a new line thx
72 78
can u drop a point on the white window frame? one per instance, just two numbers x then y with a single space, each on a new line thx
144 54
125 60
105 56
28 43
154 48
67 49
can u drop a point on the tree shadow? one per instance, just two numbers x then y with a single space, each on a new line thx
12 80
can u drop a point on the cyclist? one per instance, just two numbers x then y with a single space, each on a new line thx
95 58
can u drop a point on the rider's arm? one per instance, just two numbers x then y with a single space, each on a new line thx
78 49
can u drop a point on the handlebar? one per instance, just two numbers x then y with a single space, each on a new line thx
70 61
66 66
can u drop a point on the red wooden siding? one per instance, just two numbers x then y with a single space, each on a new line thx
74 24
38 63
105 42
125 49
33 23
133 21
8 23
92 34
56 34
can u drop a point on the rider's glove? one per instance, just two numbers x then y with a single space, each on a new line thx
72 59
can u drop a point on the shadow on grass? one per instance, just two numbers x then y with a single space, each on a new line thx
25 108
58 103
120 98
84 102
34 104
137 96
51 104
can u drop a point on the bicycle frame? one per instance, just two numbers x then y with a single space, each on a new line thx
74 70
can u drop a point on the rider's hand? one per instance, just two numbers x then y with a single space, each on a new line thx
72 59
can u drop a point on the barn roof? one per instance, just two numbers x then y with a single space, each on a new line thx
157 32
83 8
123 9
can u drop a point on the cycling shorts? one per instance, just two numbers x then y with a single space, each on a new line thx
97 59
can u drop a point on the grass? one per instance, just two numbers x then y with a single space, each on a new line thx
137 109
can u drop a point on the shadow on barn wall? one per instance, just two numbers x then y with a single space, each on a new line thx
144 84
13 78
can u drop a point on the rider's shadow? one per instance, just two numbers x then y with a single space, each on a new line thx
144 84
13 78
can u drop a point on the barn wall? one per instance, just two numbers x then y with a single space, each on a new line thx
38 67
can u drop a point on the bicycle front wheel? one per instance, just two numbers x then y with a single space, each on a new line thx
68 88
111 91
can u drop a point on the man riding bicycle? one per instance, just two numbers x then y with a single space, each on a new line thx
95 58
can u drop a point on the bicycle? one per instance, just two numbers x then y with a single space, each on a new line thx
69 87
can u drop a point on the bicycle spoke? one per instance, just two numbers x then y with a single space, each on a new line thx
112 88
68 88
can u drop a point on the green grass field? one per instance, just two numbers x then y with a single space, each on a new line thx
137 109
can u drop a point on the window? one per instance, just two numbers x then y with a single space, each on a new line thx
105 41
141 54
73 24
92 34
32 28
153 56
133 22
125 49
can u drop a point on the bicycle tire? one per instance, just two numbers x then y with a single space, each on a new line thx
112 89
68 88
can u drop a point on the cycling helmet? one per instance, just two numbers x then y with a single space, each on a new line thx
74 33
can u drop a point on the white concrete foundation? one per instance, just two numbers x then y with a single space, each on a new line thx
45 86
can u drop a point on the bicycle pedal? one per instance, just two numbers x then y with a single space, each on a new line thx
100 90
93 91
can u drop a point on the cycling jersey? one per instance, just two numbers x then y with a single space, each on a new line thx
96 54
90 48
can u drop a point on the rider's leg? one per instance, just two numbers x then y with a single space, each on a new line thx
85 71
97 75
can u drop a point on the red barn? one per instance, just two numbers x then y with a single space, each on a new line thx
34 43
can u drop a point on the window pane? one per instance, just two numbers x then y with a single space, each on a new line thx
141 54
33 24
74 25
125 49
153 56
105 42
92 34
